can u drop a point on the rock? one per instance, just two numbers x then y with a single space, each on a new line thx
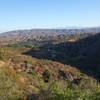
28 67
76 81
65 76
46 75
62 74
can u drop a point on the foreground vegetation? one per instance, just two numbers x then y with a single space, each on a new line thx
45 80
15 86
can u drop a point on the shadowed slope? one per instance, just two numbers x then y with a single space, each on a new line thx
83 54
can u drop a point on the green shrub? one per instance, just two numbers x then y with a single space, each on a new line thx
2 57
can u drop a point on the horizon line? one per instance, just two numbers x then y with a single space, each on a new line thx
67 28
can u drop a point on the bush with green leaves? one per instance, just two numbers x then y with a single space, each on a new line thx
63 90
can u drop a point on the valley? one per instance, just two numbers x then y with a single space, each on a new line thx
56 64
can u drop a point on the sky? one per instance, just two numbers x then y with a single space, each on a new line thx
29 14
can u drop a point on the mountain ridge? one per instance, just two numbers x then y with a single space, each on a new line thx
31 34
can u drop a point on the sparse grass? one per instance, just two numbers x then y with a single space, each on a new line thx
45 62
9 89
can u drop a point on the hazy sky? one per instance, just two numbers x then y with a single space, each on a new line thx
27 14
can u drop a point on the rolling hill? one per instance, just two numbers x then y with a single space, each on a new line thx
24 35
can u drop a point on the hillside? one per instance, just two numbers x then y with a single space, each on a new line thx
83 53
37 34
28 78
61 67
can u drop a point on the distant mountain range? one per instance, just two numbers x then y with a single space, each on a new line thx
19 35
